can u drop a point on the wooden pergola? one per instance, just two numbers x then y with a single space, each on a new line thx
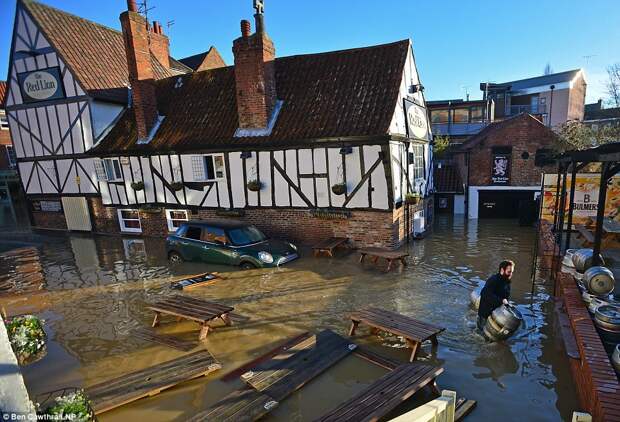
609 157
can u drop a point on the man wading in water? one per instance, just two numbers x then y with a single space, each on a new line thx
495 292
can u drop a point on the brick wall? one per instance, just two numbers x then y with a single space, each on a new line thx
49 220
364 228
523 134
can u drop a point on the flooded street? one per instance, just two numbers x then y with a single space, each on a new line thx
96 290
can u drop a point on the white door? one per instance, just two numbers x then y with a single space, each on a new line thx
76 213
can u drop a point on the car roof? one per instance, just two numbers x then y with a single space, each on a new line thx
224 224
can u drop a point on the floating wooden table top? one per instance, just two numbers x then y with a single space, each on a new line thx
411 329
150 381
287 372
328 245
165 339
242 405
198 280
385 394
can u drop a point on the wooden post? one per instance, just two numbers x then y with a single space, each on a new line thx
155 320
204 332
353 327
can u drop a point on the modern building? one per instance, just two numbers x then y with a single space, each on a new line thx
557 97
597 117
460 119
502 167
113 135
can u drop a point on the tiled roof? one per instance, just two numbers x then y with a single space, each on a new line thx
447 179
95 53
327 95
178 67
2 93
210 59
603 113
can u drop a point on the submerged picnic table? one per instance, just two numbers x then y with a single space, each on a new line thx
197 310
389 255
415 332
328 246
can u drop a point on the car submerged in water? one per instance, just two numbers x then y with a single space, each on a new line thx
227 243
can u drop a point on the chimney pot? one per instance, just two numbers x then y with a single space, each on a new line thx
131 6
245 28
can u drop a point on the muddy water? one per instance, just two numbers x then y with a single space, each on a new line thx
97 288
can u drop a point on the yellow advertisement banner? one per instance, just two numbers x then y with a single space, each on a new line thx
585 204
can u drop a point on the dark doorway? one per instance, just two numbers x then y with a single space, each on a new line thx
507 204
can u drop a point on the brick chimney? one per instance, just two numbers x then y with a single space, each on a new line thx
160 45
135 33
254 75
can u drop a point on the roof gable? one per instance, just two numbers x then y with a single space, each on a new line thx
210 59
346 93
94 53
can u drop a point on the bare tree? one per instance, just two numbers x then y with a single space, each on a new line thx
548 70
613 84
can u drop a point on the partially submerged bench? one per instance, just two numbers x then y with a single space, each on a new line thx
387 254
385 394
415 332
150 381
165 339
244 405
328 246
197 310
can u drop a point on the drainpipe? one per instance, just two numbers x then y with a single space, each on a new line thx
552 87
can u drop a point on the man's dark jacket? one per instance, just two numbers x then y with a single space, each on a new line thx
495 289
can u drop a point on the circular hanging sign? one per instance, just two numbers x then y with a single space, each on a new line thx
40 85
417 122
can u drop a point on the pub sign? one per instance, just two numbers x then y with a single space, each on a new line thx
417 120
500 169
41 85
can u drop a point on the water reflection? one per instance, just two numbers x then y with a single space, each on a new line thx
97 289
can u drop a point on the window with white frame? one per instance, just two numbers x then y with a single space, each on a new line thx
129 221
175 218
10 152
4 122
418 162
109 169
208 167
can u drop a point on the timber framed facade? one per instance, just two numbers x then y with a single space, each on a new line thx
354 117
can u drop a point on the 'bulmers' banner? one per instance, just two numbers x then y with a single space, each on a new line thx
585 205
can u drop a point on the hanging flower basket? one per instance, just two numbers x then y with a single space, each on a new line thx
137 185
27 338
412 198
339 189
176 186
255 185
67 404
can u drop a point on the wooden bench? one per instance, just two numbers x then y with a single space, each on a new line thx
242 405
150 381
385 394
165 339
388 255
415 332
327 246
197 310
287 372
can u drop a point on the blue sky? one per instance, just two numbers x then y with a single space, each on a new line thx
457 44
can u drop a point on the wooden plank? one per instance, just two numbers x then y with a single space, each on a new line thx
243 405
568 338
150 381
385 394
397 324
199 280
376 359
167 340
401 318
205 303
287 372
279 349
463 409
383 253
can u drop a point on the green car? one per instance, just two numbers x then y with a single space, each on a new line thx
228 243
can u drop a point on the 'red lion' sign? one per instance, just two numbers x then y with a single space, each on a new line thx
500 169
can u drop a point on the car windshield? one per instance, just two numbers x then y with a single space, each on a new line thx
245 235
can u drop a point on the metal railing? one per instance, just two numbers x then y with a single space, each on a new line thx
532 109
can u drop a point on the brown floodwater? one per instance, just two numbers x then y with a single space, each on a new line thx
97 288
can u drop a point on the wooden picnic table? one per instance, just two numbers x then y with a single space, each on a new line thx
387 254
197 310
415 332
328 246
